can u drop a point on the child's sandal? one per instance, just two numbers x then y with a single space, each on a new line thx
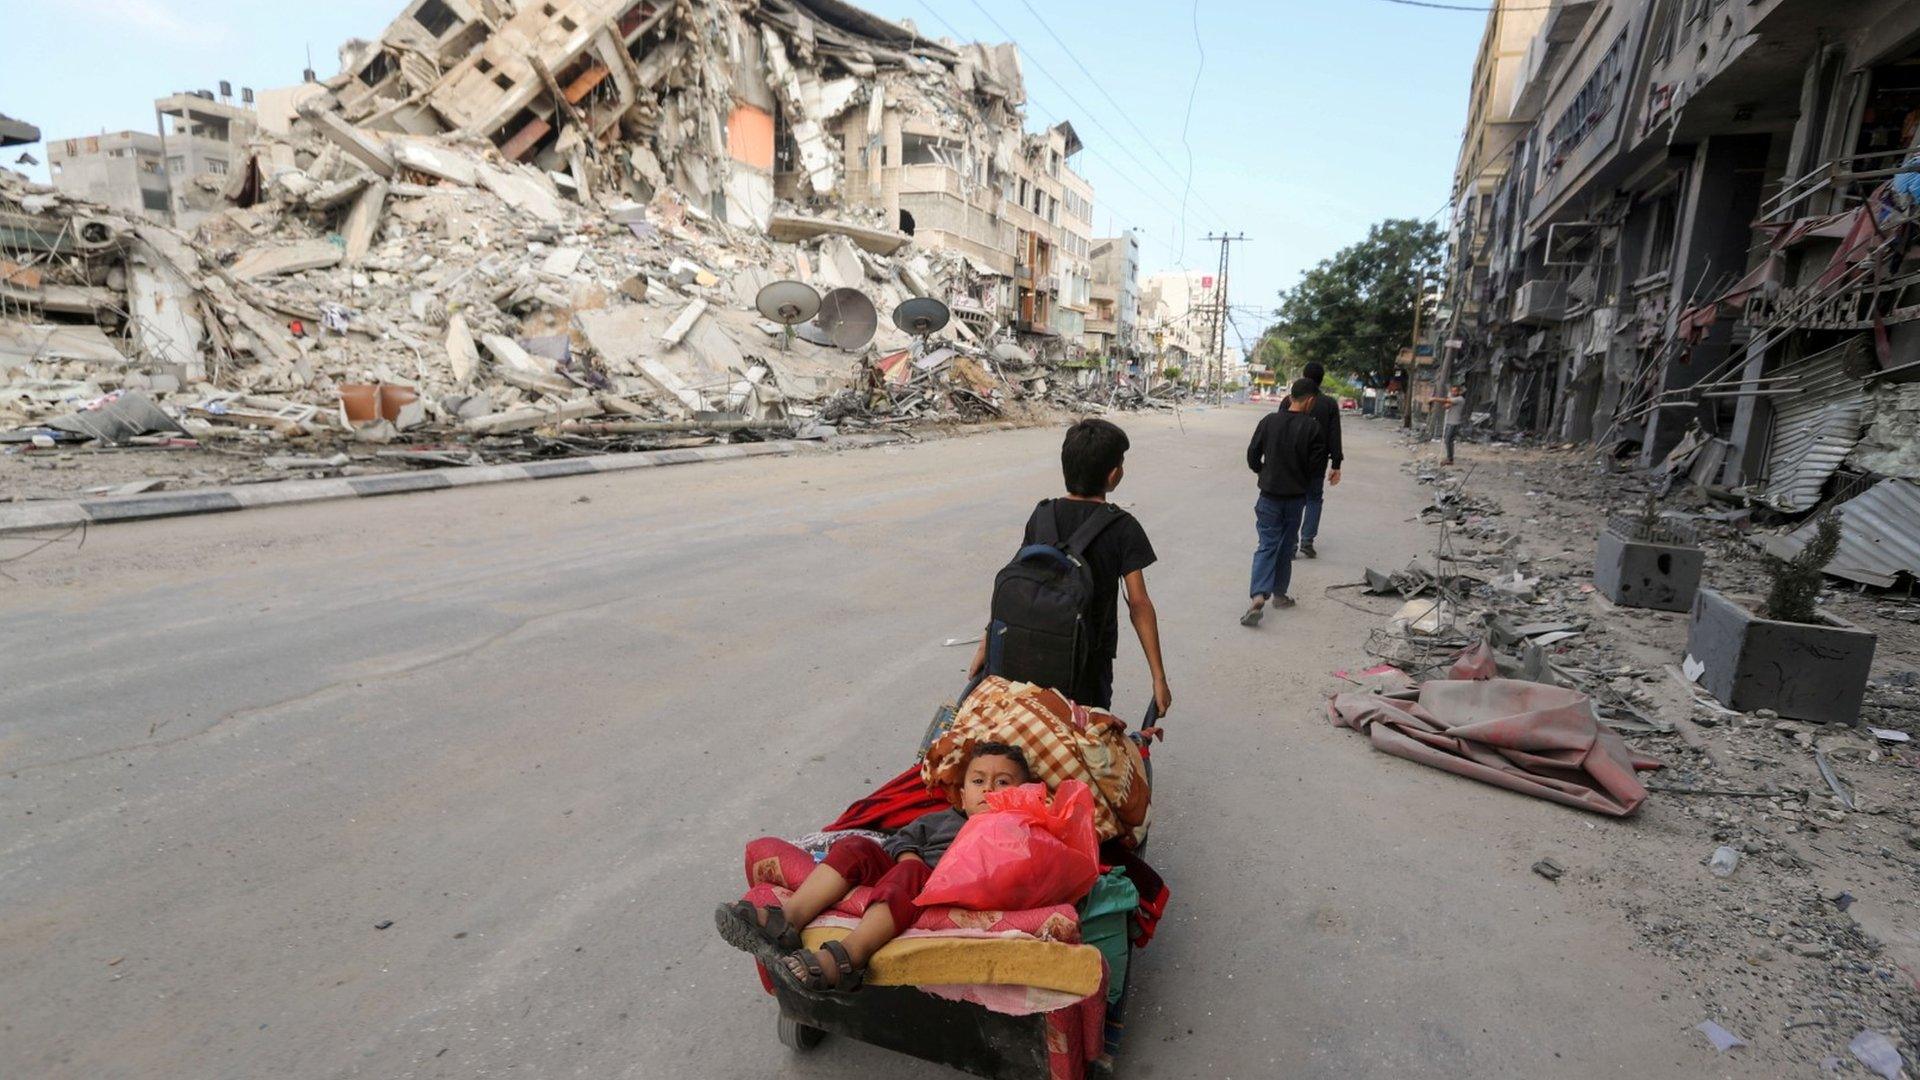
802 967
740 923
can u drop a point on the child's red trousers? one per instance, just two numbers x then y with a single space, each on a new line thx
895 883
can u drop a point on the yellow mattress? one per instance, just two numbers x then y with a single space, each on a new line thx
947 961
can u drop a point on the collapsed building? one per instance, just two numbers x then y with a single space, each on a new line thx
1681 231
557 216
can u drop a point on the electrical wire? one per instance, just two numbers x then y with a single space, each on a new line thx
1187 123
1119 172
1481 8
1125 115
1087 114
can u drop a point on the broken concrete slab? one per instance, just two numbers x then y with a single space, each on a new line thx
682 323
529 418
24 342
278 259
363 221
462 353
796 227
438 161
358 145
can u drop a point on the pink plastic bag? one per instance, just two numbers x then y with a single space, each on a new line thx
1021 854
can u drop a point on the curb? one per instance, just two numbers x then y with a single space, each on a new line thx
67 514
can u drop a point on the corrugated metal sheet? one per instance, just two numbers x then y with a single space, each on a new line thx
1816 426
1879 535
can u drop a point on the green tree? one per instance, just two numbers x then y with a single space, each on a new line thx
1354 311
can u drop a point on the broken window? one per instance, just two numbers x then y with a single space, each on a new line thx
377 69
434 17
929 150
906 222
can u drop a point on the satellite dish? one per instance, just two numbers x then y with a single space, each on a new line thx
922 316
848 317
787 303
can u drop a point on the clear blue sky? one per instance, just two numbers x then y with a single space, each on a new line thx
1312 119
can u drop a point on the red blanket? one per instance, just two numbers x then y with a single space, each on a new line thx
1527 737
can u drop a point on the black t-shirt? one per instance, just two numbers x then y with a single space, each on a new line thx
1119 550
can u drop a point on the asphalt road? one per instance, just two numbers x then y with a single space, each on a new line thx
532 724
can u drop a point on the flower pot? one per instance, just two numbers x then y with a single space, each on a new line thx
361 401
1803 671
394 398
1637 567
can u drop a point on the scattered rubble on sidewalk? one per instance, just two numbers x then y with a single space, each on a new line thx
1776 861
545 228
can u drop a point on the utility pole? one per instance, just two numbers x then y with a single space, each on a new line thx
1406 407
1217 324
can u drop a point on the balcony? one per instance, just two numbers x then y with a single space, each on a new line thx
1540 301
1833 187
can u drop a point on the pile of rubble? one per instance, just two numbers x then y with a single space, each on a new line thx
516 229
1797 927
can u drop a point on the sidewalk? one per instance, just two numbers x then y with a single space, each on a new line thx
71 513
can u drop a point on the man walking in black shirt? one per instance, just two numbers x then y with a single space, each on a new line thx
1326 411
1289 452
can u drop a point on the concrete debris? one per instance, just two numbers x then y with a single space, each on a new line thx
593 194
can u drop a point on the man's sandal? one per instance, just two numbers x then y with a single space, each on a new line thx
764 932
801 969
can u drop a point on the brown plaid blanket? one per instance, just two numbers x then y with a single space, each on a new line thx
1061 741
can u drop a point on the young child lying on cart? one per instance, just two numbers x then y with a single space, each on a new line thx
897 869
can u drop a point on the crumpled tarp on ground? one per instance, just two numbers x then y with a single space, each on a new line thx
1527 737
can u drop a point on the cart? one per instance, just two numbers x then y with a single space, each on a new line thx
959 1034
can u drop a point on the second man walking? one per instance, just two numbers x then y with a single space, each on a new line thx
1289 451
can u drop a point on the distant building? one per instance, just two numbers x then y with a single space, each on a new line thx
176 176
206 143
1112 324
1076 245
125 170
1176 312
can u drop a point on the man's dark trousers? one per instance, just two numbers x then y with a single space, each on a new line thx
1310 517
1277 522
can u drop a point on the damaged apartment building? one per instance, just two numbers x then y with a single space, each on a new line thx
1681 231
507 215
810 102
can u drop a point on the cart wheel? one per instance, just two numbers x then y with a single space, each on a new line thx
799 1036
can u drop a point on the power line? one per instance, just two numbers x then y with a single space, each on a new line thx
1119 143
1482 9
1118 171
1124 114
1187 123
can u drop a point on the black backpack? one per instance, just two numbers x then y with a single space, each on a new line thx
1043 603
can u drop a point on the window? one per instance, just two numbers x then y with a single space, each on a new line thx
176 165
435 17
216 167
1593 103
483 65
377 69
153 200
568 24
503 82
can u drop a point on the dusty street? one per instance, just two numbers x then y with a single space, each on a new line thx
532 724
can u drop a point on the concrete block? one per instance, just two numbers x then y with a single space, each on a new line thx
1803 671
1642 574
358 145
